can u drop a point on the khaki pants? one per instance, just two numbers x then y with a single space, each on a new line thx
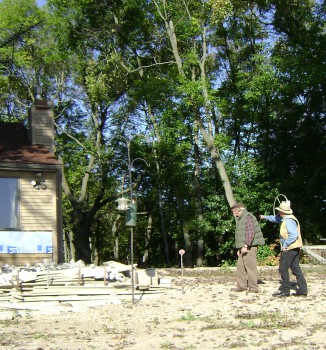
247 274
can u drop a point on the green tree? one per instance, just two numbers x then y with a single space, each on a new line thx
223 89
293 135
19 56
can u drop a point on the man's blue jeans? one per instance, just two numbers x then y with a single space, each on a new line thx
290 260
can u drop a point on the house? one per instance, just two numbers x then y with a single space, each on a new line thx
30 190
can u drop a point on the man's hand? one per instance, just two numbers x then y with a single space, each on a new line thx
244 250
261 217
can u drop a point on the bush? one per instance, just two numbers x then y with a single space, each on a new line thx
266 255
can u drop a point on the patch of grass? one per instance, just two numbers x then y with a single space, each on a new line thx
267 320
167 345
228 263
251 324
257 320
109 330
39 336
188 317
114 330
8 323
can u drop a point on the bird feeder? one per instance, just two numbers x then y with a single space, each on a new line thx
123 203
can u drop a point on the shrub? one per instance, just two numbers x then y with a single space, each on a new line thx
266 255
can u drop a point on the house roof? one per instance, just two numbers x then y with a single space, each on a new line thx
15 147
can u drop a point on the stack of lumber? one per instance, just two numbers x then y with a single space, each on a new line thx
77 293
78 284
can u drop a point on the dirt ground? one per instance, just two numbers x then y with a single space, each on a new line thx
198 312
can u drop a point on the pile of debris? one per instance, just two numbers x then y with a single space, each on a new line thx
77 282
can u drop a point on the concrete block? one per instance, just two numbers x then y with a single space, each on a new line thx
147 277
165 282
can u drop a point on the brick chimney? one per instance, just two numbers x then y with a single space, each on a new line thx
41 124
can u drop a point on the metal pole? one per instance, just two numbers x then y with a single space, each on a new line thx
129 168
181 252
128 143
131 230
183 289
132 265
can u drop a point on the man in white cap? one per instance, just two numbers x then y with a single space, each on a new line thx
291 242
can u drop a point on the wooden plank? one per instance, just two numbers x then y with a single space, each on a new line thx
73 285
316 256
81 297
62 293
83 291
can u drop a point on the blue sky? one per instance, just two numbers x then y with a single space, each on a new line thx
40 2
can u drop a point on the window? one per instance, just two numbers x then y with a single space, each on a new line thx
9 203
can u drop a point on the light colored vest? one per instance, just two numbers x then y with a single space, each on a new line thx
284 232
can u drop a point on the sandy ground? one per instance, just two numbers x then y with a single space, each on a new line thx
198 312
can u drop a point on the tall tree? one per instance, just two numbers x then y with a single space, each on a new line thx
91 33
223 88
296 131
186 57
20 56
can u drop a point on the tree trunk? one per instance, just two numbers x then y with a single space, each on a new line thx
200 252
219 163
165 237
70 253
160 202
115 233
82 239
148 240
207 135
198 190
185 230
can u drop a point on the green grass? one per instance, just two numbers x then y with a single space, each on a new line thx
188 317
